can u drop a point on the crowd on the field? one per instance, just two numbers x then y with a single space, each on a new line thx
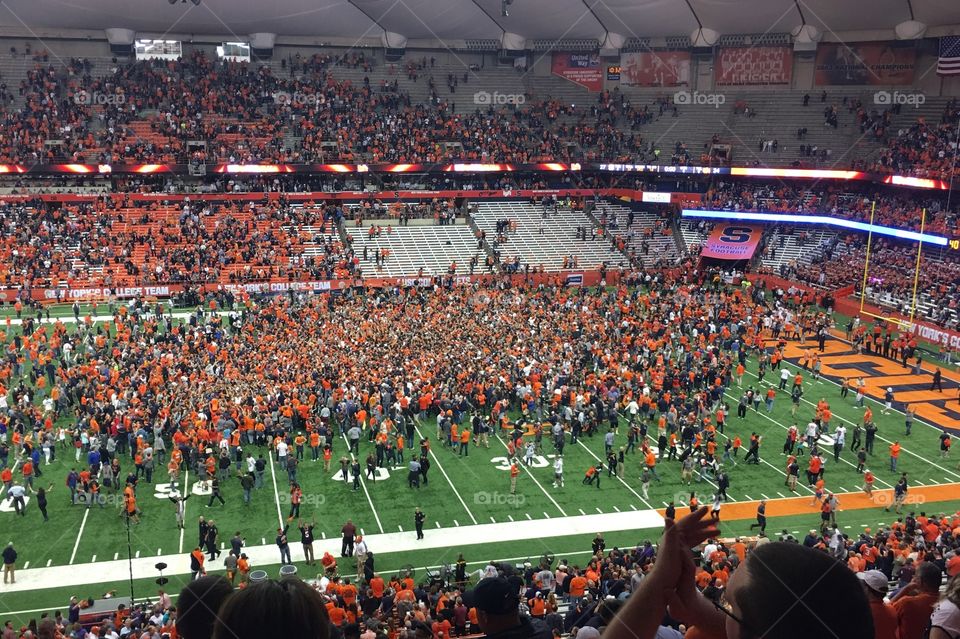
146 397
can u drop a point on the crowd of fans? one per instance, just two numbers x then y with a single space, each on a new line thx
151 110
890 272
246 114
900 569
841 259
109 243
925 149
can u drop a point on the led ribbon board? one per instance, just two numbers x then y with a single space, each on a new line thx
794 218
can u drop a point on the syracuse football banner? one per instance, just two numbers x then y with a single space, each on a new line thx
730 241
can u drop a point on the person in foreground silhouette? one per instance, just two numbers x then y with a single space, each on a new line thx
782 590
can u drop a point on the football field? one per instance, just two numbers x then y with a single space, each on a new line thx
467 500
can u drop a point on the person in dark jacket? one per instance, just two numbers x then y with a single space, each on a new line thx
498 611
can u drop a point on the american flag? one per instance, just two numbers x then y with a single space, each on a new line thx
949 61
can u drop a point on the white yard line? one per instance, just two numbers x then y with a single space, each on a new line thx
445 476
76 544
186 491
635 493
539 485
363 485
773 421
276 492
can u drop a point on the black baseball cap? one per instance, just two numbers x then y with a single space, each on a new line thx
493 595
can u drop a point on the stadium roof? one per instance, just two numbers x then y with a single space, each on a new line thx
445 20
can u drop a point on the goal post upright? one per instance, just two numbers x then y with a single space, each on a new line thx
866 261
916 268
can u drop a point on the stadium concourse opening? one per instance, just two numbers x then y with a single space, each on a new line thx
335 321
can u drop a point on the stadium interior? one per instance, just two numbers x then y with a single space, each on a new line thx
513 238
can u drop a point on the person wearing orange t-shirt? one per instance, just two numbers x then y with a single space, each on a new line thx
868 480
377 586
915 601
336 614
348 592
578 585
894 456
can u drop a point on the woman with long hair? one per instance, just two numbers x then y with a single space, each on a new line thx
945 620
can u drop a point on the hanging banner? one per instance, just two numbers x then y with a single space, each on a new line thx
655 69
865 63
580 68
753 66
732 242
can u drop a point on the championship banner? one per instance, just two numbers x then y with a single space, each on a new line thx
580 68
757 66
865 63
655 69
732 242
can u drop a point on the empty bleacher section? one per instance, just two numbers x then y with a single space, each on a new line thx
787 248
427 250
648 237
524 234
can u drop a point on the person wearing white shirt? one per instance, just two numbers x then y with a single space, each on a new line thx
360 551
839 441
708 551
811 434
16 494
558 472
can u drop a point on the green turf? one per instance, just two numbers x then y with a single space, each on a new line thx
483 488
